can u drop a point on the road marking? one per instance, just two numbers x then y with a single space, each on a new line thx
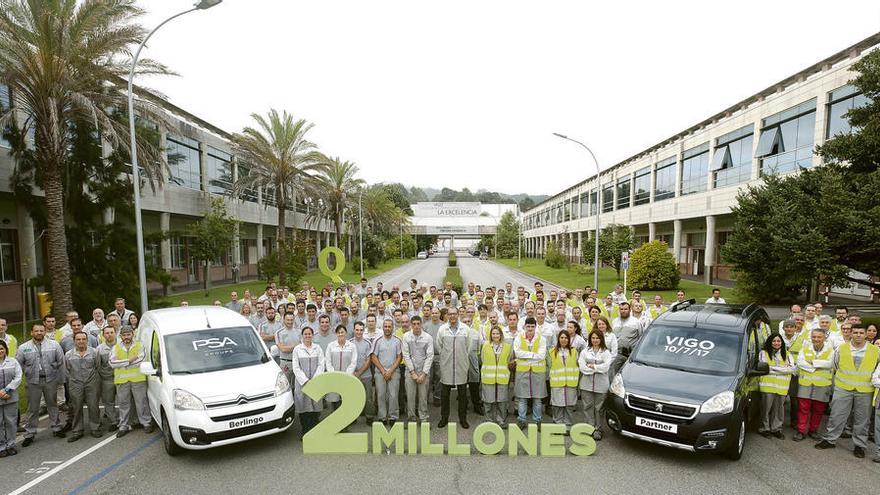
109 469
61 467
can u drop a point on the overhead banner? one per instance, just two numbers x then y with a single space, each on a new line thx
455 210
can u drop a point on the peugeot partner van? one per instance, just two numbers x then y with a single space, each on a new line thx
210 378
691 380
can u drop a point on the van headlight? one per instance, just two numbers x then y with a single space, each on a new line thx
282 386
617 386
719 404
186 401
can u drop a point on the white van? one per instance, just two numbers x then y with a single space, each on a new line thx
210 378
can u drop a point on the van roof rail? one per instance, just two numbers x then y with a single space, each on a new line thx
749 307
683 305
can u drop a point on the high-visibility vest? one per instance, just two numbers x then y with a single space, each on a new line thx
521 365
494 369
12 343
655 312
58 335
850 378
774 384
563 374
820 377
611 315
129 373
797 344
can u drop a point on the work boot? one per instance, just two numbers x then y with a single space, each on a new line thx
825 444
859 452
74 437
122 432
27 441
443 422
798 437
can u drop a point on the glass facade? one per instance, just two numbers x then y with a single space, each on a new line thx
594 202
786 142
624 190
7 255
5 103
642 186
585 205
219 171
664 179
843 100
608 198
250 194
183 161
695 169
732 160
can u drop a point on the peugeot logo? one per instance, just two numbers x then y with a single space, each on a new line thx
244 400
658 407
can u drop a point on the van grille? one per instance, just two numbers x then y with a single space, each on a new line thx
240 400
243 414
661 408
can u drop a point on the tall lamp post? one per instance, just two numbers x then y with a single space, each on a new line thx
361 226
135 173
598 206
518 238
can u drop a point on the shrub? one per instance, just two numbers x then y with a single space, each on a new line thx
652 267
553 257
355 264
453 275
453 260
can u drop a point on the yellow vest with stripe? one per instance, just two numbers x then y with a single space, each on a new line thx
774 384
820 377
58 336
654 312
494 370
611 315
12 344
797 344
563 374
521 366
850 378
128 373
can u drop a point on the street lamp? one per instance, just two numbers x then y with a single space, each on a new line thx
518 238
598 206
361 226
135 173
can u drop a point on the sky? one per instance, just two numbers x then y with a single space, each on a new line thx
468 93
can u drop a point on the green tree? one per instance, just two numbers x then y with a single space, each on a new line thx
553 256
507 236
337 185
526 204
212 237
614 239
392 246
288 262
279 159
652 267
64 62
399 196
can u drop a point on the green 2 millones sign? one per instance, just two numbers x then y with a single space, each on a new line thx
488 438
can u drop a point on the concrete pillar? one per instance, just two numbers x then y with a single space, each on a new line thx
580 247
676 240
652 231
163 156
317 239
203 166
259 241
571 251
236 252
756 162
165 243
710 248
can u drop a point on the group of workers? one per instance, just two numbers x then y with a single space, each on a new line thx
499 349
90 365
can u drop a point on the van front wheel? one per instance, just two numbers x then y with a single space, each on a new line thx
735 451
171 447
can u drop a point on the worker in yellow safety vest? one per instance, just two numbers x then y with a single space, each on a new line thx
531 372
131 385
774 386
794 334
657 308
496 358
814 384
854 363
564 376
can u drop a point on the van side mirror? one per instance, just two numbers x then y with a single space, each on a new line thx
148 370
760 369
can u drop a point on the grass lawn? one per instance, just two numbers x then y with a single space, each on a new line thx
313 277
608 279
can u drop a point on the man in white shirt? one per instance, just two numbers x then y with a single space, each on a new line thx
716 297
618 297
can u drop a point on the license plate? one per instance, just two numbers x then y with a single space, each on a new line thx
656 425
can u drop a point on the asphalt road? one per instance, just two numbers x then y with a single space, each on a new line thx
137 464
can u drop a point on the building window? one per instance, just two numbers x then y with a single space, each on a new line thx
179 252
183 162
624 188
694 169
594 202
7 255
219 171
841 101
732 161
667 238
664 179
786 142
566 210
642 186
608 198
575 209
585 205
5 104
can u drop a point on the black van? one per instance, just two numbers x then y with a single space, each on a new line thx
692 379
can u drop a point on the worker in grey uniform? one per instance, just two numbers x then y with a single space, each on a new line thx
386 355
286 338
82 364
10 378
131 385
418 354
454 346
42 363
105 371
363 370
628 330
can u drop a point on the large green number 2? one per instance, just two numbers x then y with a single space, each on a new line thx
327 437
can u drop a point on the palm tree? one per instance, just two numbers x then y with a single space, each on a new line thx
64 62
279 158
381 215
338 186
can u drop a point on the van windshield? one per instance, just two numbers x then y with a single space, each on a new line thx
213 349
690 349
